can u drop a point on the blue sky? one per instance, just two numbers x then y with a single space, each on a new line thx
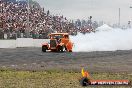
106 10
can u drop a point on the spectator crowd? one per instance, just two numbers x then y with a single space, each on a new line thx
18 19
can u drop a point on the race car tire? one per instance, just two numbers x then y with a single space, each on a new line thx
43 48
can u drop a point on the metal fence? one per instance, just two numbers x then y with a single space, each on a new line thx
16 35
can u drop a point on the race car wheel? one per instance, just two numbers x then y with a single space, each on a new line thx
44 48
62 49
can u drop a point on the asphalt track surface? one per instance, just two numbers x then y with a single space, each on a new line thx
34 59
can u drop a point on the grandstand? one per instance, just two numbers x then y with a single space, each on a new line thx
16 20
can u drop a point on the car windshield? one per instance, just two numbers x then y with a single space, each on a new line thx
57 36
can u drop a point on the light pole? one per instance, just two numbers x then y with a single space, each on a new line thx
119 20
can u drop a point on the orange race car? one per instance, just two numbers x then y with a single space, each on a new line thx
59 42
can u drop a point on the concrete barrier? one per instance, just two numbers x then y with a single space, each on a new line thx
39 42
22 42
7 43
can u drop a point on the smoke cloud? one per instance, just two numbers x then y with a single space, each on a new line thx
105 39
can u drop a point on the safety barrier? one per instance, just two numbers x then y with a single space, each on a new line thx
22 42
7 43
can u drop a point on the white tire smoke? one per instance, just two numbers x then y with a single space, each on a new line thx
105 39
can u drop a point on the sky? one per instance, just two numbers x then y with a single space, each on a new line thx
100 10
